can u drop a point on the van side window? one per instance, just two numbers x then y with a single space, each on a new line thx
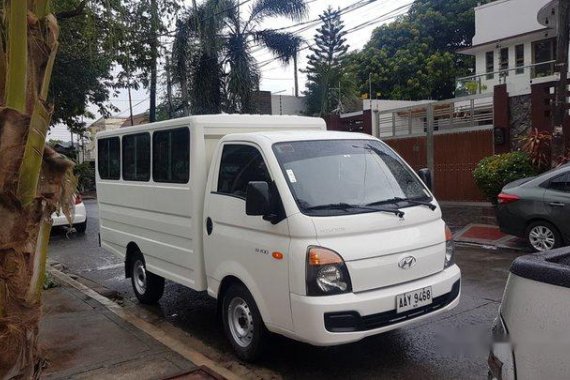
560 183
240 165
171 156
136 157
109 158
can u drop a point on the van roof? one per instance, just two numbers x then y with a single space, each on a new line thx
232 121
304 135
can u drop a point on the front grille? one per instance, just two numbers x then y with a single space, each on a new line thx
348 321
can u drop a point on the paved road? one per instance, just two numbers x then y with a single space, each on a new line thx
451 346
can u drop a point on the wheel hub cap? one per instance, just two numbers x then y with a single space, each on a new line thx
542 238
139 273
240 322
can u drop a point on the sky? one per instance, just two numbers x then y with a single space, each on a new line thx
276 77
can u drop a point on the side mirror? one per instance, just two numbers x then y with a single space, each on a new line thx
425 176
257 199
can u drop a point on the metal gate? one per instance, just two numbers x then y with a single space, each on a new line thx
449 137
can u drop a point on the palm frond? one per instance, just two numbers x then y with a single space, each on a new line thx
284 46
294 9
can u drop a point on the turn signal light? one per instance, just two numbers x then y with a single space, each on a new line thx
507 198
323 256
78 199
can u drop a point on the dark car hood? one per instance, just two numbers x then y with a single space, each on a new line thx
518 182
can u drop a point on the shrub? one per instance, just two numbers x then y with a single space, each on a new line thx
537 145
494 172
86 177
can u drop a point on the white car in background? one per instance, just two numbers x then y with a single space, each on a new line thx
79 217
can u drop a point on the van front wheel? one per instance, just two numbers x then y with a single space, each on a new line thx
148 287
242 323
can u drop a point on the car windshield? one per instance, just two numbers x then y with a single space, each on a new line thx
334 177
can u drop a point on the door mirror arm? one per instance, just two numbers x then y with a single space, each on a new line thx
425 176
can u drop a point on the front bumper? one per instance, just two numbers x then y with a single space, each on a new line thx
373 311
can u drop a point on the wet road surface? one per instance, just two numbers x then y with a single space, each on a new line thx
451 346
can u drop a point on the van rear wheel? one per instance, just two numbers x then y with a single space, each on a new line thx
148 287
243 324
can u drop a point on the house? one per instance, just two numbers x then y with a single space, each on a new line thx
514 44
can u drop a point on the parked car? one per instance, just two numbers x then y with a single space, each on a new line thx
531 338
538 209
324 237
79 217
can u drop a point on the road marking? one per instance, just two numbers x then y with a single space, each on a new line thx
175 343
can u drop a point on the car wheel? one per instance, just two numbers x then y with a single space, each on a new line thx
148 287
80 227
543 236
243 324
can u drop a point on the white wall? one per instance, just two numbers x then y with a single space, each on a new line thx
506 18
287 105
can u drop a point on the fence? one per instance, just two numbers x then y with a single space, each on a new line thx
449 137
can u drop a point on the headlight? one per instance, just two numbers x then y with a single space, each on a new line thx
326 273
449 248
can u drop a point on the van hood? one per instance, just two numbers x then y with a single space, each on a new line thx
372 245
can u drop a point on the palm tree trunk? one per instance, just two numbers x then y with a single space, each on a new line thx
34 180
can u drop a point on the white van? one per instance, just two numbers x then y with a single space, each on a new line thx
324 237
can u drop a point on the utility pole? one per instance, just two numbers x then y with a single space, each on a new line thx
561 135
154 58
370 89
296 74
129 88
169 89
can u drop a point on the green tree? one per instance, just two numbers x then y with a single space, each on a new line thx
137 51
415 57
328 85
214 51
82 74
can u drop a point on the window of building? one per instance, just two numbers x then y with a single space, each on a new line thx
136 157
171 156
561 183
240 165
519 58
543 52
504 61
109 158
490 64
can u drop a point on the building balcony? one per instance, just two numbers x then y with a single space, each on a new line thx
519 78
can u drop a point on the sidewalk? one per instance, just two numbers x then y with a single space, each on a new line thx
476 224
81 338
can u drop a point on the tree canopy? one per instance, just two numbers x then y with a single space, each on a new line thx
329 88
213 47
415 57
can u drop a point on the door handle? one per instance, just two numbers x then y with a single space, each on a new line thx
209 226
556 204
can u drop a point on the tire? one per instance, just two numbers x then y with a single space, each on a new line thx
148 287
243 324
80 227
543 236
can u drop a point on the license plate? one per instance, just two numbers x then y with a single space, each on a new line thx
413 300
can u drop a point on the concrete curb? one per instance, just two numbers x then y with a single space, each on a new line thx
174 343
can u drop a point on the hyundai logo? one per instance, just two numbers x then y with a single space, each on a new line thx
407 262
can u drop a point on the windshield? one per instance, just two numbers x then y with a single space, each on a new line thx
333 177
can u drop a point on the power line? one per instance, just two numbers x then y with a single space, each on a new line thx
384 17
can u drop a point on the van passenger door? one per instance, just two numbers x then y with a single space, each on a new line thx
241 245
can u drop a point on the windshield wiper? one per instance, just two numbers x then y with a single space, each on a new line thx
346 207
412 201
431 206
